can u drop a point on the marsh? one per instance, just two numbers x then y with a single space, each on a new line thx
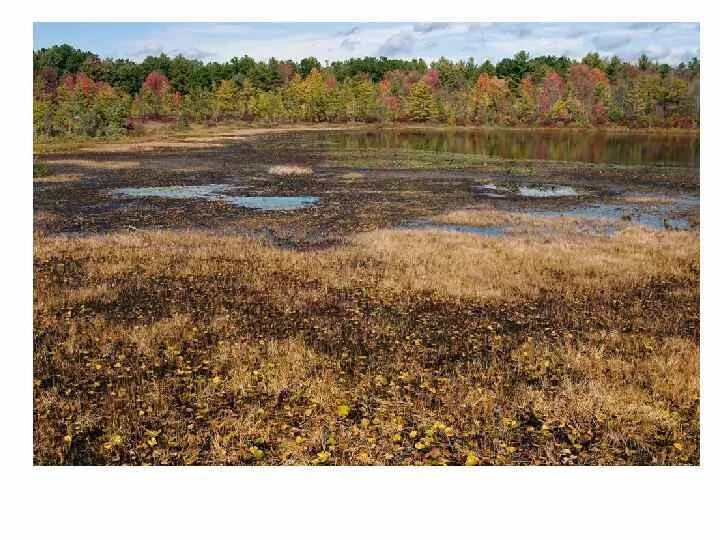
396 315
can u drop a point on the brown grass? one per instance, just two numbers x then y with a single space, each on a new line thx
59 178
403 347
95 164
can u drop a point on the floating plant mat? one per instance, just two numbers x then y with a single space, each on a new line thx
527 190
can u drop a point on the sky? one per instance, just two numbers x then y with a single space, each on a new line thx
666 42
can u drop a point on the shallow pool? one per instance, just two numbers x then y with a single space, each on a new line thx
217 192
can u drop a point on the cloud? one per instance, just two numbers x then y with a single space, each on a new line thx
518 30
349 44
350 32
654 26
148 50
337 41
610 43
192 53
426 28
580 32
397 44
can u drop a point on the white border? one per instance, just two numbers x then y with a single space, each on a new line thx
339 502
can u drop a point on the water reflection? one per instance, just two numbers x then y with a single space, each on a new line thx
593 147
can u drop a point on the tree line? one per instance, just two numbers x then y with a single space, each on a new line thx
77 93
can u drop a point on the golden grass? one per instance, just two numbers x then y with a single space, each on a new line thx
483 217
647 199
52 178
468 265
402 347
96 164
146 146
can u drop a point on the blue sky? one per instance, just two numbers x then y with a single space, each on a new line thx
662 41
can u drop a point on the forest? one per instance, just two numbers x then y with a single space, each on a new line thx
78 94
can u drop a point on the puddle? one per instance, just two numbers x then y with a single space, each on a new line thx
656 219
272 203
487 230
216 192
525 190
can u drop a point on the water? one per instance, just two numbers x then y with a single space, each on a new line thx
620 148
273 203
656 218
216 192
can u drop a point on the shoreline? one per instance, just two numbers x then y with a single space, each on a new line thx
162 132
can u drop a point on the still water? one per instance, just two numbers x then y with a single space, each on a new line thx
585 146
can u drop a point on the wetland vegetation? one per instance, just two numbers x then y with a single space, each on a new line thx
401 316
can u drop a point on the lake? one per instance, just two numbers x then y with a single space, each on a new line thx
619 148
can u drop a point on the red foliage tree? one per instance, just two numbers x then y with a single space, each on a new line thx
157 83
432 78
550 89
586 82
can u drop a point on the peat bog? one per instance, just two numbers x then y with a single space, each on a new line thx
350 298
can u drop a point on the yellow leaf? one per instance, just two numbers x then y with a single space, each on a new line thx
472 459
256 452
321 457
67 439
343 411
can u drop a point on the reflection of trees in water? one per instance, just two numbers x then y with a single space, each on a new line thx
595 147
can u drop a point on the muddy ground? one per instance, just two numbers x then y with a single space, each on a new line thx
394 191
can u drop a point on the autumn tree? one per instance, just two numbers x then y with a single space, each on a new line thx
491 101
549 91
154 95
421 102
268 107
590 88
525 106
226 99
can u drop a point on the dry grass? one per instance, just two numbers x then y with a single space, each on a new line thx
146 146
465 265
484 217
95 164
52 178
290 170
647 199
404 347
